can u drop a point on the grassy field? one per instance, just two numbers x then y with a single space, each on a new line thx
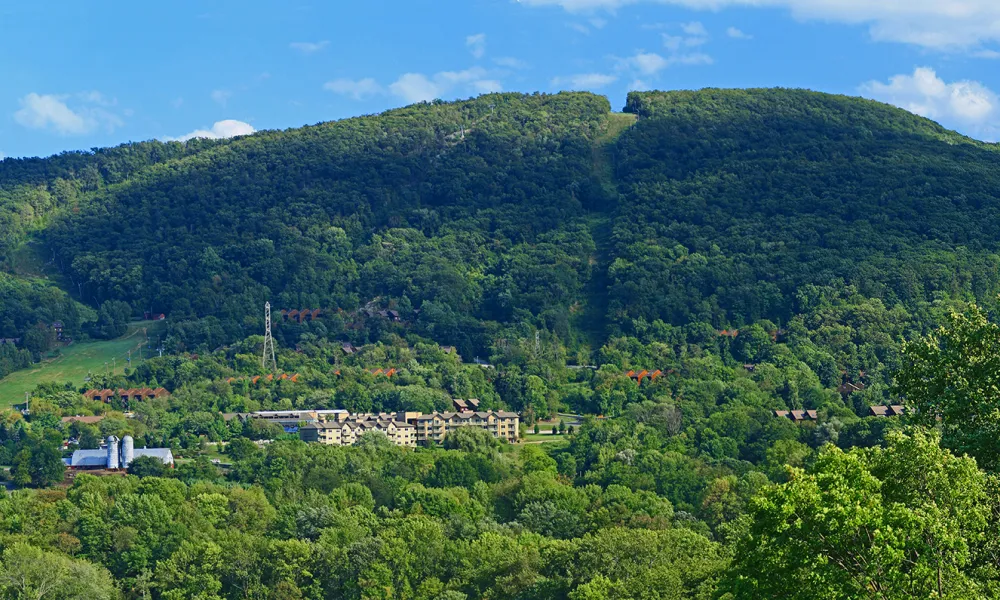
544 438
77 360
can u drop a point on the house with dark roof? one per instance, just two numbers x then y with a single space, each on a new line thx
895 410
81 419
797 415
848 388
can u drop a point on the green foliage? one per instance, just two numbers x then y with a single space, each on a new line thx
741 245
38 463
147 466
28 572
950 380
906 521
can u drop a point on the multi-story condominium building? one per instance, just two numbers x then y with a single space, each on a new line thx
434 427
408 428
348 431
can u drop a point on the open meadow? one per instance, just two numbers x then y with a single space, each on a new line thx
76 361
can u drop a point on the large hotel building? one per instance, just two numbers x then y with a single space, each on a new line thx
340 428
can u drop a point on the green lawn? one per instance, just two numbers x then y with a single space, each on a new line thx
545 438
77 360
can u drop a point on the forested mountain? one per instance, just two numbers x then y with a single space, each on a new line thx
507 214
715 207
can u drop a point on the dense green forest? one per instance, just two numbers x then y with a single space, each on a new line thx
761 249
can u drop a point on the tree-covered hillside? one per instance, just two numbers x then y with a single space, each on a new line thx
487 221
732 201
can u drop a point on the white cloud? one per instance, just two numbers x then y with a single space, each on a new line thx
579 27
95 97
649 63
221 130
693 59
417 87
738 34
221 96
694 35
695 29
585 81
940 24
359 90
676 42
2 156
48 111
476 44
969 105
309 47
510 62
414 87
598 23
177 102
487 86
638 85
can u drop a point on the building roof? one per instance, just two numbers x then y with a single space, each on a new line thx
90 420
887 411
163 454
89 458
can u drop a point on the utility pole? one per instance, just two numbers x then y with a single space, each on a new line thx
268 340
129 359
27 398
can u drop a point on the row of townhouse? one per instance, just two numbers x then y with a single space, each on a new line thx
126 395
409 428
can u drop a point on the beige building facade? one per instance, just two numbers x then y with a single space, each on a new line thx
409 428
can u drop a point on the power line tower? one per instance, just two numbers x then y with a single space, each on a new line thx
268 340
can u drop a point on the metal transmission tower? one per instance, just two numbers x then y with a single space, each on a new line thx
268 340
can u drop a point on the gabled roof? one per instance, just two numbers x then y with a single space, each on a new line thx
163 454
88 420
89 458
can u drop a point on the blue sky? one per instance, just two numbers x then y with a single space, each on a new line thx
77 74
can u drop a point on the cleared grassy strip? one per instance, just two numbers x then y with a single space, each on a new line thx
77 360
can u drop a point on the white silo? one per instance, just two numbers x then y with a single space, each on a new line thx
112 452
128 451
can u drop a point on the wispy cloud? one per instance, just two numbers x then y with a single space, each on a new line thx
738 34
221 97
417 87
309 47
359 89
937 24
510 62
585 81
476 44
53 113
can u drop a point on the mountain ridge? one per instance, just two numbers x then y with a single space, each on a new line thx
486 208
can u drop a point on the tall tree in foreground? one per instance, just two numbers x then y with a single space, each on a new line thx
907 521
28 572
951 379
